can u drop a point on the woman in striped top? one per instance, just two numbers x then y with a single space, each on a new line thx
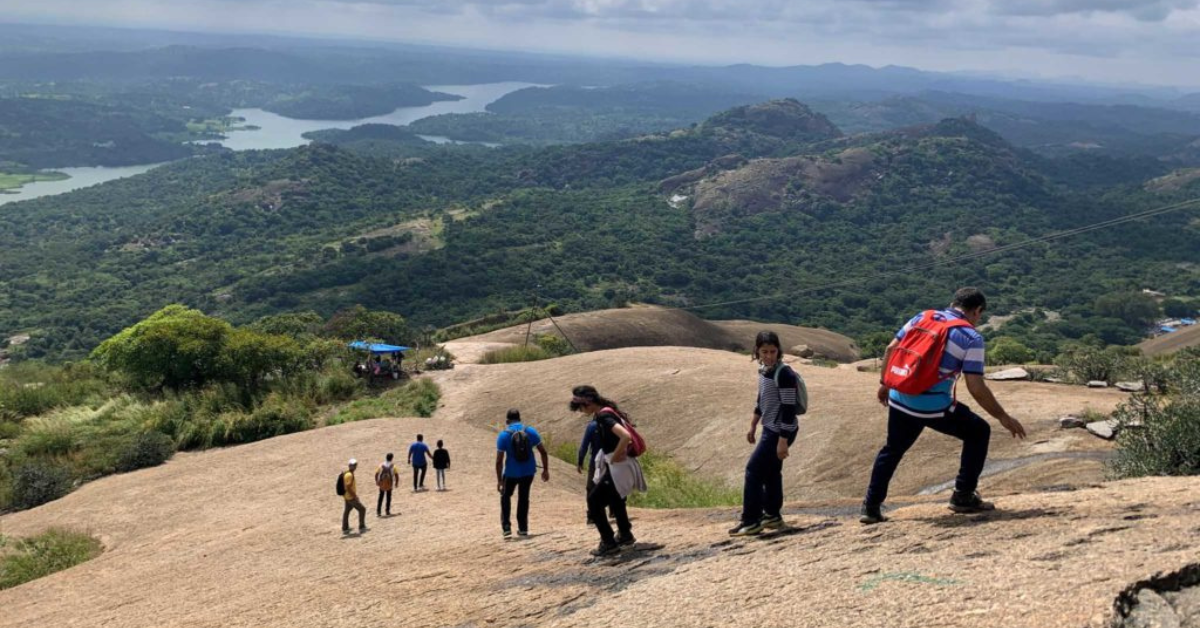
781 397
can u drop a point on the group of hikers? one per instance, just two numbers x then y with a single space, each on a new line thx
387 478
921 367
379 367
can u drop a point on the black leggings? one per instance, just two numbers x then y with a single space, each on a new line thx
419 476
605 496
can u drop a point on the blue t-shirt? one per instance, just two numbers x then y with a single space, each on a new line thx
964 354
512 467
418 450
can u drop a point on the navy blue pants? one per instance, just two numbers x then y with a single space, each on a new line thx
903 431
763 491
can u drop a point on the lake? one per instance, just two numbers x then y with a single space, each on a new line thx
277 131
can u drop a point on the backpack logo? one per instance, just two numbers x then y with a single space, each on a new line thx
914 365
520 445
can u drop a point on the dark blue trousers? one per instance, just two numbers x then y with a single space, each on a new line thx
903 431
763 491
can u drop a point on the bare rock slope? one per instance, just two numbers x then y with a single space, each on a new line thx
249 535
651 326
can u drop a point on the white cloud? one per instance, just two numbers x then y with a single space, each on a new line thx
1114 40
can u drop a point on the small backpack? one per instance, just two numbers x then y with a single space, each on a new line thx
801 390
341 484
637 444
385 476
913 366
520 445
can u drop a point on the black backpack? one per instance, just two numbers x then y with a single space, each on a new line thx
341 484
520 445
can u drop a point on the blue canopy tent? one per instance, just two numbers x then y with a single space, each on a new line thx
379 367
377 348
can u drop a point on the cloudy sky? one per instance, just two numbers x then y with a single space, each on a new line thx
1116 41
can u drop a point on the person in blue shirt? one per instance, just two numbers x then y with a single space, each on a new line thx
588 448
936 408
516 468
418 457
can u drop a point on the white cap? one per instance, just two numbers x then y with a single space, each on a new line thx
353 462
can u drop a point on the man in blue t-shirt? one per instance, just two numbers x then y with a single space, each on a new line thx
936 408
418 455
515 469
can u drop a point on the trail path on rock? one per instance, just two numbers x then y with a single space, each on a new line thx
249 535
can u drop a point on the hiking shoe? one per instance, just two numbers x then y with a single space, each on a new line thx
746 529
773 522
871 514
625 541
606 549
967 503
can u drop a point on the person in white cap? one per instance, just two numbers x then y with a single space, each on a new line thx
352 503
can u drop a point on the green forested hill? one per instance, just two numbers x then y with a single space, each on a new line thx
445 234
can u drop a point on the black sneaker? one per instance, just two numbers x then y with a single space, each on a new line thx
506 531
606 549
345 530
871 514
362 529
966 503
625 541
773 522
746 529
522 532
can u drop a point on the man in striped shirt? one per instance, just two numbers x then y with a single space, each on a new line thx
936 408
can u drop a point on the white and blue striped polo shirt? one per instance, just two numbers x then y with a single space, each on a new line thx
964 354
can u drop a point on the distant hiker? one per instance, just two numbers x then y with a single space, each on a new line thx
386 478
515 469
349 491
417 457
588 448
781 397
441 462
921 367
617 474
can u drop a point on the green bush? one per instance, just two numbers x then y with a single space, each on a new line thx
1006 350
33 388
1160 433
275 417
530 353
6 487
51 551
673 486
1085 364
9 429
553 345
48 438
148 449
36 482
417 398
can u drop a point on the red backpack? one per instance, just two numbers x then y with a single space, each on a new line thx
637 444
913 365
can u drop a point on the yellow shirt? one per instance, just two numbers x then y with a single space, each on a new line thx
348 480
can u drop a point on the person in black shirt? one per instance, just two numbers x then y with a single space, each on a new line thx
441 462
609 493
